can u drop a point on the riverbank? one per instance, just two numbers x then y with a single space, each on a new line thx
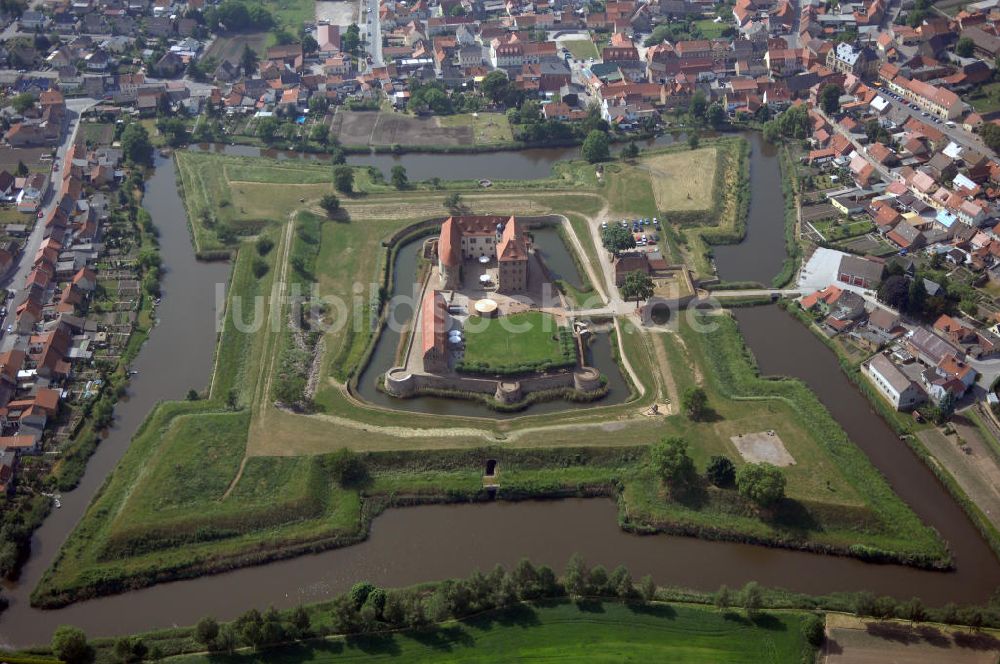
67 452
904 426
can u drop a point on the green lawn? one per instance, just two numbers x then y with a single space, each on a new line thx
582 49
985 98
591 632
527 339
710 29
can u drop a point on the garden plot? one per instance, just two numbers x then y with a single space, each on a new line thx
763 447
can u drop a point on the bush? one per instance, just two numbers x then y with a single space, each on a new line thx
812 630
259 268
347 468
720 471
70 645
264 245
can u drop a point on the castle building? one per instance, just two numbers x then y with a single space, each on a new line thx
467 238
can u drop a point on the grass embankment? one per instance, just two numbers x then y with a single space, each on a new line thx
839 501
588 631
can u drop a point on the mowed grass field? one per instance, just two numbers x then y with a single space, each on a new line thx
581 48
679 178
591 632
519 339
487 128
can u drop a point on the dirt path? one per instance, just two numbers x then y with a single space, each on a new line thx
852 640
578 248
975 470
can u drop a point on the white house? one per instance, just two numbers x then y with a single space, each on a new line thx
893 384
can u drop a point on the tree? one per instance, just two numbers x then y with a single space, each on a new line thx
360 592
630 151
350 41
343 178
300 622
693 140
864 604
330 204
22 169
206 632
309 44
972 616
723 598
715 115
751 598
228 638
720 471
914 610
576 576
398 177
638 286
347 468
193 395
343 615
617 238
597 581
813 631
647 588
595 147
965 47
895 292
990 133
319 133
70 645
947 405
761 483
130 649
695 403
136 145
620 582
453 202
173 129
916 301
829 98
23 102
250 628
672 464
495 85
248 61
698 105
267 128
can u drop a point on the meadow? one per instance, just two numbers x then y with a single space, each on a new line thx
588 631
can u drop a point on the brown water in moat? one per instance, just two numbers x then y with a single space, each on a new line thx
760 255
424 543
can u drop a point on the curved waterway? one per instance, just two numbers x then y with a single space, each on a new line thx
176 357
529 164
431 542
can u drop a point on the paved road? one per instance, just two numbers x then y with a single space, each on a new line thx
957 133
372 30
17 278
